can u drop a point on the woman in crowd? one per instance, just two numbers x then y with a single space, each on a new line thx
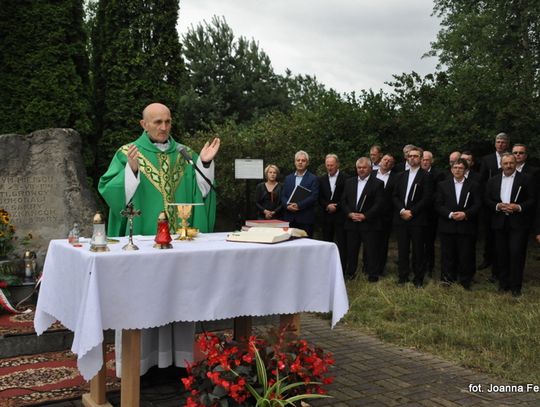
268 194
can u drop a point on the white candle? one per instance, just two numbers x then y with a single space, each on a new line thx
99 238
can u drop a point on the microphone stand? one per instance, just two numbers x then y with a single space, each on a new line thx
187 157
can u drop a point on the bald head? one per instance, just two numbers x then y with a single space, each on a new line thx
154 108
156 120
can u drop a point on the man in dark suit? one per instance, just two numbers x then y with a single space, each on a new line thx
458 202
537 227
510 197
472 172
412 199
375 154
521 154
332 218
363 202
403 165
389 177
491 163
431 231
301 214
491 166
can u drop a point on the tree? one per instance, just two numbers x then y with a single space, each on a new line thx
43 66
492 53
226 78
135 61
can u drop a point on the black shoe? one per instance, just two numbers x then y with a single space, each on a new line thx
483 265
373 279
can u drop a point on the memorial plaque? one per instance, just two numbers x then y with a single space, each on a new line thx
43 185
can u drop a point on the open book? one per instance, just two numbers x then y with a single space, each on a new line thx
265 235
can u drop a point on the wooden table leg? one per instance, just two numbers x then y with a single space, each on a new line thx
242 328
97 397
131 368
290 319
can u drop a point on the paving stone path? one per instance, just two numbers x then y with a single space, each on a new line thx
371 373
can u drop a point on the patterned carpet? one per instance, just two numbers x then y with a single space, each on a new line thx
31 380
34 379
21 324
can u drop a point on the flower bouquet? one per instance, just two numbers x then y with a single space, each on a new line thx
277 370
8 266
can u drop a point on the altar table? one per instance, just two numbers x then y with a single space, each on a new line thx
200 280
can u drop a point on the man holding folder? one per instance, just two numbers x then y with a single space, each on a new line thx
300 195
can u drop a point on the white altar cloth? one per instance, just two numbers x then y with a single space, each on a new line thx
200 280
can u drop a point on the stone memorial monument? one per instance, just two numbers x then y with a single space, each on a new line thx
43 186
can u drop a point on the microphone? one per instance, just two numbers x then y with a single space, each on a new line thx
182 150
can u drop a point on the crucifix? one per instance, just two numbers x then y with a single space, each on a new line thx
130 212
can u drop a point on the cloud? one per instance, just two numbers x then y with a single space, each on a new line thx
348 45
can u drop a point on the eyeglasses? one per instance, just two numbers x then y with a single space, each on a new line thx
519 152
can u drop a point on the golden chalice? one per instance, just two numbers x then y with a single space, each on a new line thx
184 213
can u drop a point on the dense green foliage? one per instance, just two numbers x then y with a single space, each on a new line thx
226 78
43 66
136 60
491 54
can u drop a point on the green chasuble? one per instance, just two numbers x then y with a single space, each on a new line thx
165 177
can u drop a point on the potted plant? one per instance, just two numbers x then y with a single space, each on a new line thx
276 370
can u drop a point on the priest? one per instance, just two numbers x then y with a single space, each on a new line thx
151 173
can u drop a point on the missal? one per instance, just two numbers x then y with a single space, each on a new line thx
299 194
265 235
267 223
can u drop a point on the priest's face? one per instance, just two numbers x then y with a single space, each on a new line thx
157 122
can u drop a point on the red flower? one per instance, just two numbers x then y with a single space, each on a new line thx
188 382
3 284
231 367
191 403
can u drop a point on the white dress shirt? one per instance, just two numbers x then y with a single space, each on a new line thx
506 187
360 188
412 175
383 177
332 179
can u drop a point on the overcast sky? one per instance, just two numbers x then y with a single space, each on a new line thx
347 44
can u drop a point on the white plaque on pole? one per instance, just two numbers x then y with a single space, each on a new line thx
248 168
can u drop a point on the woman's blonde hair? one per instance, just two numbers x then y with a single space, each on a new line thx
269 167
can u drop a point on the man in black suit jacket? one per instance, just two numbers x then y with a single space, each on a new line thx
491 163
389 177
363 202
431 231
510 197
403 165
537 227
331 187
471 173
458 202
412 198
521 154
491 166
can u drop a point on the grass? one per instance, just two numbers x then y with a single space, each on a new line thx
480 329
